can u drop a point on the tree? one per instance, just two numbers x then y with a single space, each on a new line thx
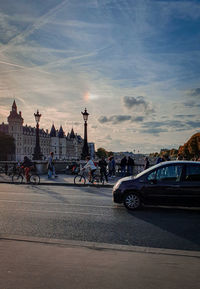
101 152
109 153
7 146
191 148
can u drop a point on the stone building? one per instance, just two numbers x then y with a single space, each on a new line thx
64 147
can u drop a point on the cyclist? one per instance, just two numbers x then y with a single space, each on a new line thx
27 165
91 166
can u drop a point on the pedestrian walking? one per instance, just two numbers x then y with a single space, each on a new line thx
111 166
146 163
123 164
51 166
160 159
103 169
130 165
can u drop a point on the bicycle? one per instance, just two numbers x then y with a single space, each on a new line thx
18 177
82 177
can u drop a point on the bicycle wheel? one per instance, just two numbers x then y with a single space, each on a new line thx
34 179
79 180
17 179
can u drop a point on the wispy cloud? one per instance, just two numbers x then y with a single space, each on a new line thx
133 58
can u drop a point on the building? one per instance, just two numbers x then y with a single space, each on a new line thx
64 147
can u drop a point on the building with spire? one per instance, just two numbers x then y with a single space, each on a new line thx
64 147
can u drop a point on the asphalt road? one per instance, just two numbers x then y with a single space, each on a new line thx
88 214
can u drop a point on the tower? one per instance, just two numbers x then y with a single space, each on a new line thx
15 128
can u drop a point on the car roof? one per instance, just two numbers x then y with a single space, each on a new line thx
166 163
174 163
179 162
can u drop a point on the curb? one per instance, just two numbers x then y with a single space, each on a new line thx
102 246
61 184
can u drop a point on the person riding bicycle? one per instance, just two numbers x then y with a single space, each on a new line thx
27 165
91 166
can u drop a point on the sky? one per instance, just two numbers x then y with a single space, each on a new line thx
134 64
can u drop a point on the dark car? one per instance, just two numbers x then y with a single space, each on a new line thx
174 183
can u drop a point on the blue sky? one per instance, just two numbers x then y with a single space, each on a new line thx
133 63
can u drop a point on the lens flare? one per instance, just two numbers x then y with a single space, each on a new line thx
86 96
90 96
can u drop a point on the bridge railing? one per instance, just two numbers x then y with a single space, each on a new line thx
62 167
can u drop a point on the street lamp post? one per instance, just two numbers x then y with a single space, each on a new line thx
37 151
85 150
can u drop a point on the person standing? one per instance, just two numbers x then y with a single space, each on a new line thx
111 166
146 163
123 164
50 166
103 168
130 164
159 160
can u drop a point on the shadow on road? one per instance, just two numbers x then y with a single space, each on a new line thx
182 222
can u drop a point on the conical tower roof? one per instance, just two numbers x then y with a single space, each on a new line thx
53 131
72 134
61 133
14 116
14 106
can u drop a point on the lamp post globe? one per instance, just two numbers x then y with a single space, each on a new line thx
37 151
85 150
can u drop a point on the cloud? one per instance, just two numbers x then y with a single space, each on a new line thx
191 103
138 119
185 115
195 92
172 125
114 119
154 131
44 19
193 124
135 103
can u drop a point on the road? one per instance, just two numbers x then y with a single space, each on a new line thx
88 214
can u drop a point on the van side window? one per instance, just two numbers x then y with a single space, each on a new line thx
170 173
192 173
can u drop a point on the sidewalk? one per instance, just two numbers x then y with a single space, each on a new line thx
31 263
61 180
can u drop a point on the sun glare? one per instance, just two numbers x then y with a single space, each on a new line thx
89 96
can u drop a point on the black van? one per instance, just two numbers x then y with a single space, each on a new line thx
174 183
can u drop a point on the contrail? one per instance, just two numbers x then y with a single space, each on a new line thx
12 64
24 67
39 23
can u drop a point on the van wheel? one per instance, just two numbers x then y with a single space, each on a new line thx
132 201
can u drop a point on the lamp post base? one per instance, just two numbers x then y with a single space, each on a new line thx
37 154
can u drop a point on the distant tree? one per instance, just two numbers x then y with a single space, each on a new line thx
191 148
109 153
101 152
7 146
